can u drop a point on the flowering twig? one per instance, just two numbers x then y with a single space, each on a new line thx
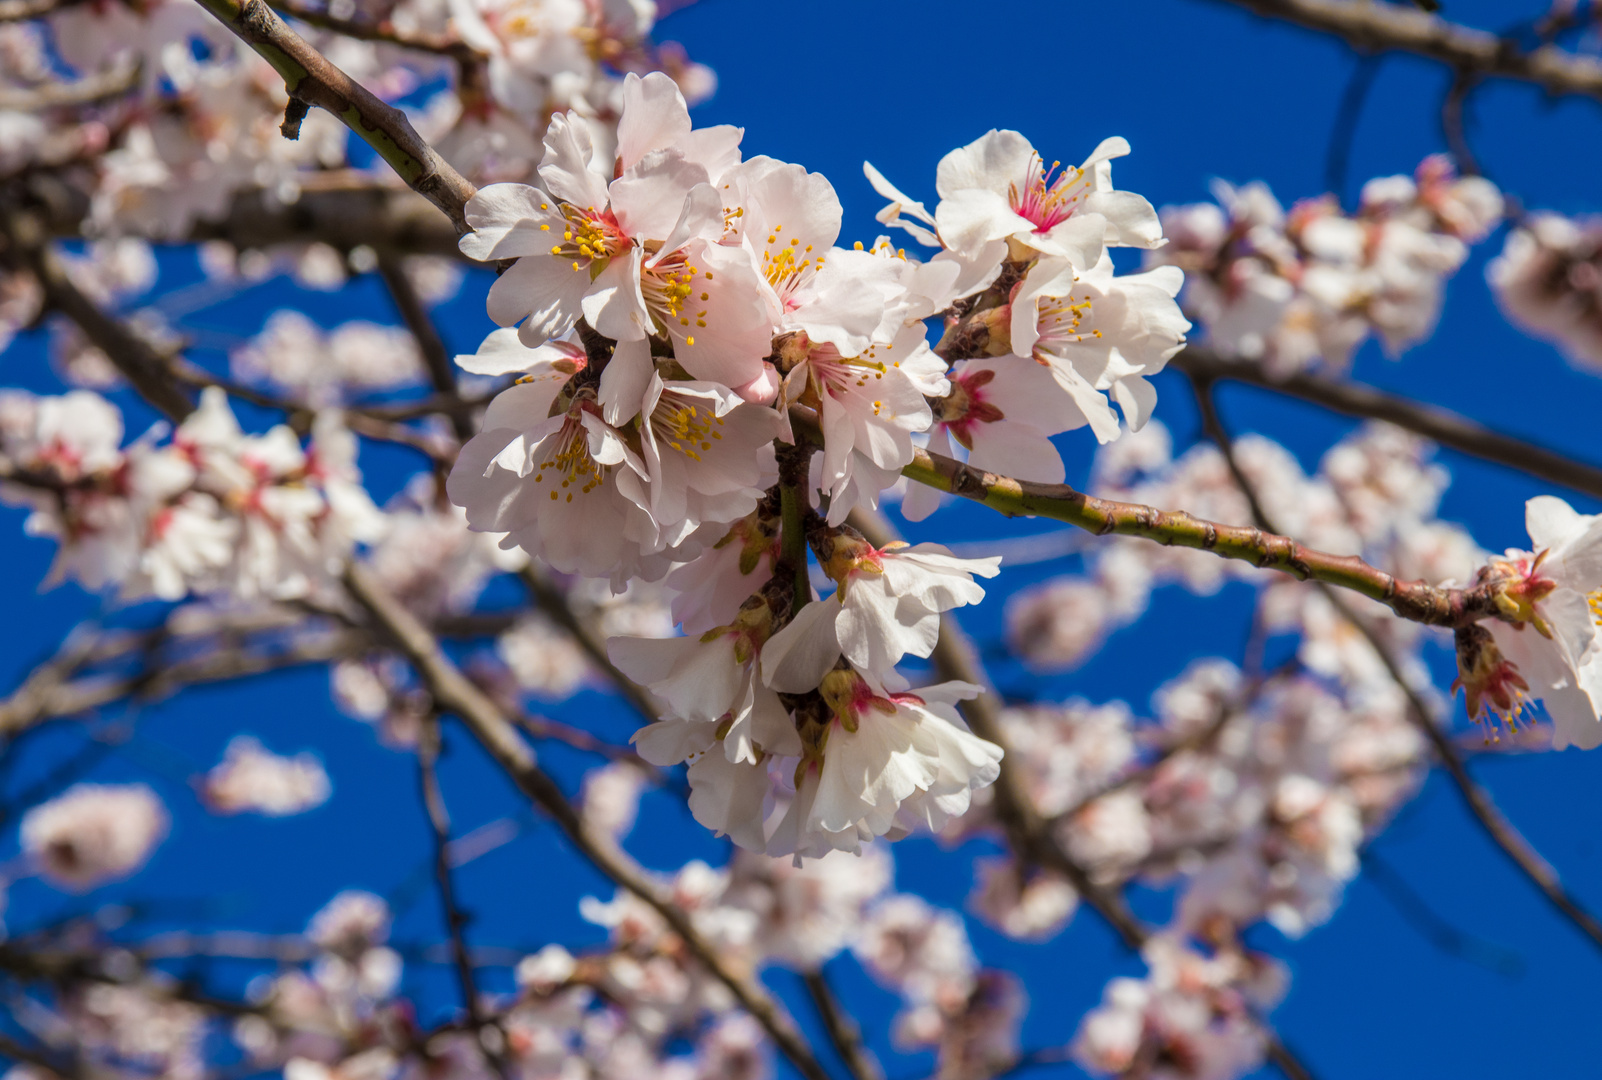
312 80
455 693
1376 28
1438 425
1413 600
1498 827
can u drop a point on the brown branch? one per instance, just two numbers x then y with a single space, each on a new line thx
113 82
841 1029
441 367
1438 425
553 602
28 248
1417 601
310 78
1479 802
382 30
1379 27
453 692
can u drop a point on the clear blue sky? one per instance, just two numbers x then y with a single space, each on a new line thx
1200 90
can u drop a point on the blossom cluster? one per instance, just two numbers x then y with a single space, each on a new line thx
1306 288
211 509
1548 281
673 315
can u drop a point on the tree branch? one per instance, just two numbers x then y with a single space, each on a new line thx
28 248
310 78
1438 425
382 30
841 1029
1496 825
1414 600
454 693
437 358
1380 27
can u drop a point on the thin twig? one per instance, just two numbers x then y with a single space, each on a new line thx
1417 601
1379 27
1344 131
439 820
841 1029
28 248
115 81
453 692
441 368
1435 424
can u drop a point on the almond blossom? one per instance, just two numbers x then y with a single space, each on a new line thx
93 833
1549 598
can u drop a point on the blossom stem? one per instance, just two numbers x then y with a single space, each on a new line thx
1413 600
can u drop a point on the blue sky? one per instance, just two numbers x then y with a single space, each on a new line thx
1201 90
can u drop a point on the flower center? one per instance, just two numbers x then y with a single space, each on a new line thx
588 235
688 425
1061 320
787 266
1050 198
966 407
568 461
671 296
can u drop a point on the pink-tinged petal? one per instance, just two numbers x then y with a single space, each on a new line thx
668 742
654 116
899 201
503 353
1018 450
1137 398
568 167
764 390
624 380
973 217
1550 521
728 799
1131 220
700 217
738 334
716 149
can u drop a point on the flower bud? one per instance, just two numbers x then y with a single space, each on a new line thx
1517 586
